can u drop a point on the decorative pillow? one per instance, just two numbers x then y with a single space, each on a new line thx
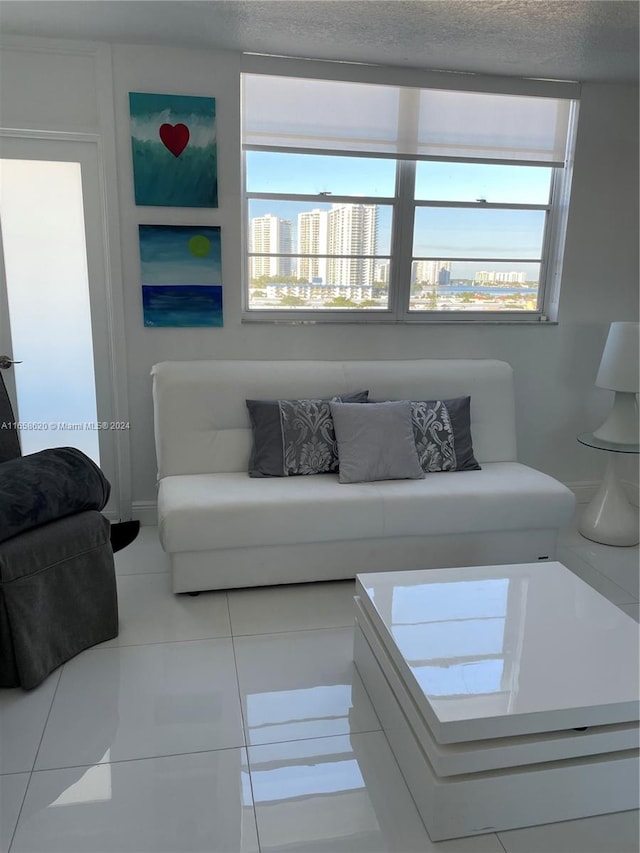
442 431
292 437
375 442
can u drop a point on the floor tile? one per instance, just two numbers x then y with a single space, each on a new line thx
632 609
149 612
293 607
604 585
23 714
12 790
621 565
199 802
145 554
611 833
142 702
301 685
569 535
340 795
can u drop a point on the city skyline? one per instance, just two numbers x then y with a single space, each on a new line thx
344 229
441 233
352 229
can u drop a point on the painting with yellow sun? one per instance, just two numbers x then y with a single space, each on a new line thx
180 268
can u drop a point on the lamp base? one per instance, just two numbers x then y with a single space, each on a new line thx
621 427
610 519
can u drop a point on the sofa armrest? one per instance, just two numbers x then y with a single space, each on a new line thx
44 486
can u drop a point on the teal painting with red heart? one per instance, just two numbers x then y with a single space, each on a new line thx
173 141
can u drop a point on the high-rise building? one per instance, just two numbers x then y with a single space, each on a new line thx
382 272
352 230
312 240
431 272
500 277
270 235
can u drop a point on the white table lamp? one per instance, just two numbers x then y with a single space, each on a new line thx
619 372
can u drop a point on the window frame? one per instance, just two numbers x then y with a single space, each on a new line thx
411 315
403 207
380 314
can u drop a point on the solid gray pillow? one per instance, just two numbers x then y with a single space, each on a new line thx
375 442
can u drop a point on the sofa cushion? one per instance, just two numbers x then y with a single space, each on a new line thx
293 437
201 512
375 442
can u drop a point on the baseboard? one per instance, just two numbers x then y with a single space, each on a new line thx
585 491
146 512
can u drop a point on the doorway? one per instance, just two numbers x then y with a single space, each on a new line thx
54 320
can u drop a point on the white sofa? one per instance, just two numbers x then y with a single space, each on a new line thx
223 529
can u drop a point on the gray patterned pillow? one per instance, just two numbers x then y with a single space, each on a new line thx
294 437
442 430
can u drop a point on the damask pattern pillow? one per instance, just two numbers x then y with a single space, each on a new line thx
442 431
295 437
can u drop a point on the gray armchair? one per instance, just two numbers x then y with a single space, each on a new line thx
57 575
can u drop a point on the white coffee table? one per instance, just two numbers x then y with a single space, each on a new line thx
509 694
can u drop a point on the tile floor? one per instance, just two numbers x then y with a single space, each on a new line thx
236 722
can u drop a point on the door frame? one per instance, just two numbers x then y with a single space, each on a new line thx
5 332
108 330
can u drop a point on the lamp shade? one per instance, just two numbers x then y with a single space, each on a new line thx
619 364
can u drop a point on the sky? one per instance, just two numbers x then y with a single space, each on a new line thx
180 254
440 232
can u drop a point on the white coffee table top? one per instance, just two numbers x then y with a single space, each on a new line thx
497 651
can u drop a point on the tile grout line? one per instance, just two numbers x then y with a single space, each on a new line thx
119 761
297 631
141 574
244 728
35 758
44 728
102 648
601 575
240 746
500 842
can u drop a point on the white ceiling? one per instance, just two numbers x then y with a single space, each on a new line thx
586 40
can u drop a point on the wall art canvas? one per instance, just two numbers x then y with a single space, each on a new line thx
173 141
181 275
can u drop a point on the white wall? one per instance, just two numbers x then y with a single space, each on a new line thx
555 365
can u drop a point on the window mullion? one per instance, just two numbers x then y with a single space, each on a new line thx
402 239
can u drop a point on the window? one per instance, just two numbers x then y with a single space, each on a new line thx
369 201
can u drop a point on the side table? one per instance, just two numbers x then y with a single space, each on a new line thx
610 518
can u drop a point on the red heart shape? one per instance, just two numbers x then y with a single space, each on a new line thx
174 137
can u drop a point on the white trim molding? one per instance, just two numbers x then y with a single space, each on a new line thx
146 512
584 491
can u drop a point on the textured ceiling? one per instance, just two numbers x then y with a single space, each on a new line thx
585 40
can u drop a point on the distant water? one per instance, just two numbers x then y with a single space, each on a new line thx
444 289
182 305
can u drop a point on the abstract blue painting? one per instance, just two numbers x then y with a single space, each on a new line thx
181 275
173 141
